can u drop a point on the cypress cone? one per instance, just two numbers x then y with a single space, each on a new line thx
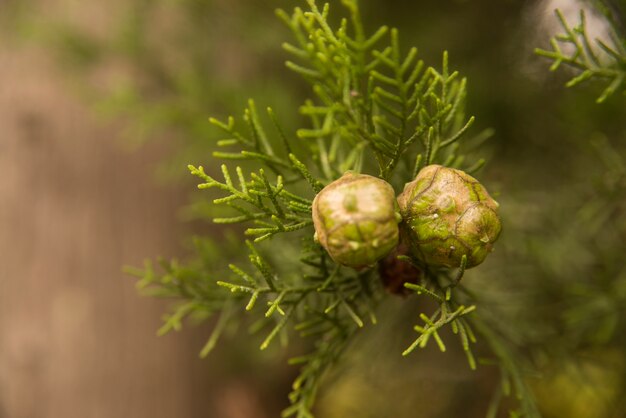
448 214
356 219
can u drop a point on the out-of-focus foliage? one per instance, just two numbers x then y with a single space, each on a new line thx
585 57
164 66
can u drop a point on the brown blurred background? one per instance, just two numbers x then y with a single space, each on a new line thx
77 341
75 338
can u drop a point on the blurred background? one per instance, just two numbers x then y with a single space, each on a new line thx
102 106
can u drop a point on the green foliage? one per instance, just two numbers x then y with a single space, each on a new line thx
589 308
448 313
277 210
373 109
594 312
591 313
194 284
373 99
583 55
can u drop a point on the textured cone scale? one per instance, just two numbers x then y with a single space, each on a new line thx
356 219
449 214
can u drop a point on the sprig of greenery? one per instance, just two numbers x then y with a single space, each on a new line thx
373 99
450 311
193 285
593 305
514 373
336 336
328 303
585 57
276 209
374 109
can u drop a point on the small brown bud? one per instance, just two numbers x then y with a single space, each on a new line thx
395 272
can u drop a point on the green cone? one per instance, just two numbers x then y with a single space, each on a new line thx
449 214
356 219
